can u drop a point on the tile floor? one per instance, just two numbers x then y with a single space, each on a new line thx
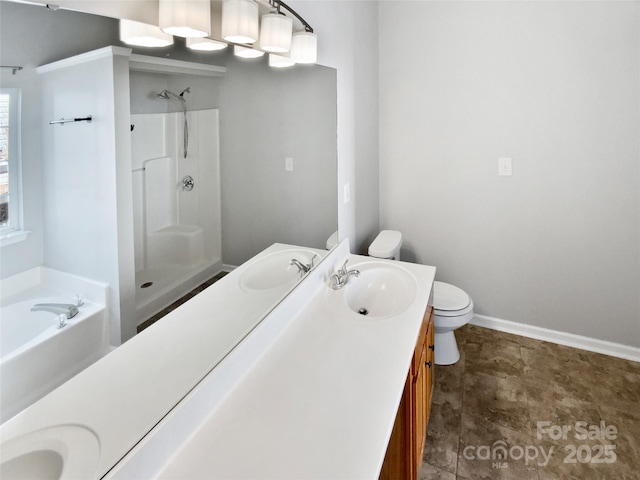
498 397
180 301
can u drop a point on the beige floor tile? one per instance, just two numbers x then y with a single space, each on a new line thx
505 384
502 359
489 450
443 434
449 385
498 400
429 472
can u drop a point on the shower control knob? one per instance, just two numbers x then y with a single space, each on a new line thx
187 183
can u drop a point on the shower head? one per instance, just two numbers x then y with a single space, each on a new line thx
166 95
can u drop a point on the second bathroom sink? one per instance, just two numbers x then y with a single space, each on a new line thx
382 290
54 453
276 269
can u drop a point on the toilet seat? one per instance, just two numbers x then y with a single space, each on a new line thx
450 301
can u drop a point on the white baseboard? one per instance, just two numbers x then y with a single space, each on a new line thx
561 338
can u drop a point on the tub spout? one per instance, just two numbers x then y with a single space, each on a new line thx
58 308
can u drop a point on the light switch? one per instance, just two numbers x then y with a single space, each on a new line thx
347 193
504 167
288 164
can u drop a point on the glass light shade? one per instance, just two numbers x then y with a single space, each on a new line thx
185 18
245 52
278 61
240 21
304 47
143 35
275 33
205 44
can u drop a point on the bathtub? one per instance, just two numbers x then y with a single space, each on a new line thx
35 355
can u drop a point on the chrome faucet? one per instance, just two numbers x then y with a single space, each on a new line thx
67 309
340 279
302 268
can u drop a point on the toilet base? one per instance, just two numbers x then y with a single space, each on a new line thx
446 348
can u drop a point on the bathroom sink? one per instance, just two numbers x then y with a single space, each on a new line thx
54 453
382 290
275 269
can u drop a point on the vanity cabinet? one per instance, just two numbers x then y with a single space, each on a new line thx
404 452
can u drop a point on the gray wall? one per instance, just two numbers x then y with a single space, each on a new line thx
555 86
266 116
348 41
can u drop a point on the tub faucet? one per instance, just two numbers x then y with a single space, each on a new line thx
67 309
340 279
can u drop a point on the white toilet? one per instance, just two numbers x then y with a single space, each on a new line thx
386 245
332 241
452 307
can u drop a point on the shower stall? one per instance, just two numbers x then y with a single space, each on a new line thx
176 195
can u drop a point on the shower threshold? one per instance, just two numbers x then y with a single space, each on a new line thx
158 287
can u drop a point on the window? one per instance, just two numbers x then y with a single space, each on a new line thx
10 189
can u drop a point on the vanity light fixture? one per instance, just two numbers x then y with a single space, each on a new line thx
246 52
205 44
185 18
304 47
239 26
143 35
240 20
304 43
280 61
275 32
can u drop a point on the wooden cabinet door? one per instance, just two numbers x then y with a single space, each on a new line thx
404 452
397 464
430 366
420 409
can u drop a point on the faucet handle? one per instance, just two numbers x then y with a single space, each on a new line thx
343 270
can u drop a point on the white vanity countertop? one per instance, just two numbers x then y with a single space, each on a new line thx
319 403
122 396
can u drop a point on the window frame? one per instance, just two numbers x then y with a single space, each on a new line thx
13 232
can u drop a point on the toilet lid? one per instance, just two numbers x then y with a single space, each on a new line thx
448 297
385 244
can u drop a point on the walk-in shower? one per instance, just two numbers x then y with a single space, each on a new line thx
176 189
168 95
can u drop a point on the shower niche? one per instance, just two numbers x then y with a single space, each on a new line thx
176 203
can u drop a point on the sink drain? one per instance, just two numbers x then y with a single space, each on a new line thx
146 285
363 311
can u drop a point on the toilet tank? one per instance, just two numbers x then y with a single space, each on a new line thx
386 245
